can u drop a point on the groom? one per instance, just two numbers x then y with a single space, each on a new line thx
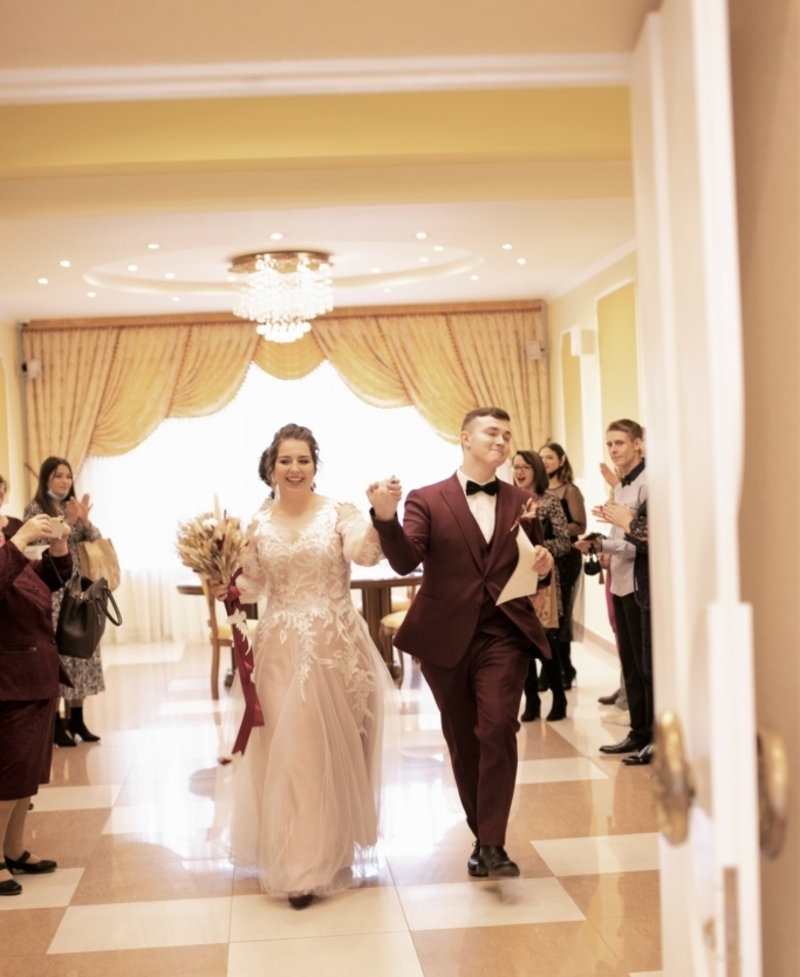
473 653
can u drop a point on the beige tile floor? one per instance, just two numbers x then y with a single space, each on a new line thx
141 888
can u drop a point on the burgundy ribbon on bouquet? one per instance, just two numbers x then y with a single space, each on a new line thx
243 650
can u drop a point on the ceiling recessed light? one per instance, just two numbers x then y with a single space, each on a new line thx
520 261
170 274
133 267
92 295
421 235
153 247
64 263
473 278
387 289
424 259
375 270
507 247
438 247
276 236
42 281
175 298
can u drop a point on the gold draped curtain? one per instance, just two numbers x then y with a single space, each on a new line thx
107 384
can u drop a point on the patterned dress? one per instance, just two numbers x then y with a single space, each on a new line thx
86 674
305 796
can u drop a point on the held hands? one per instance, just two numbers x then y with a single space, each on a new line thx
614 513
543 561
77 510
384 497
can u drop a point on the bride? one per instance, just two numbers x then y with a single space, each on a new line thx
305 795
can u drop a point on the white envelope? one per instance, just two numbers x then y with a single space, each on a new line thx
524 581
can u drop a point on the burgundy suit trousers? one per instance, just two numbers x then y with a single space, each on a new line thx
479 703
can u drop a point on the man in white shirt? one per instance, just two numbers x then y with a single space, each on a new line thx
625 443
473 651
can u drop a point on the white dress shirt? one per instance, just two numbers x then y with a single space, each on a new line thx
481 505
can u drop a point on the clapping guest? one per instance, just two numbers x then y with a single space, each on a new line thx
55 496
625 444
30 670
563 487
529 474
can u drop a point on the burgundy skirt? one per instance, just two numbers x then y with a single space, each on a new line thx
26 747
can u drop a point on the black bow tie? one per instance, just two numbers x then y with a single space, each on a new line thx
490 488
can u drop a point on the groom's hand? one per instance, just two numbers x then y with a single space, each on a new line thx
384 497
543 561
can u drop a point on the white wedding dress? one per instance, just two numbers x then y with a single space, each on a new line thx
304 799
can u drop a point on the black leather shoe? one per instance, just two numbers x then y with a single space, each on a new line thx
475 865
533 710
641 759
77 727
9 888
497 863
60 735
21 865
628 745
558 711
301 901
609 700
570 674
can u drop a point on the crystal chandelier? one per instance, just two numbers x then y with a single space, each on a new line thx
282 291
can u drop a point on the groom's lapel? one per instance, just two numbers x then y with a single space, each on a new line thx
453 495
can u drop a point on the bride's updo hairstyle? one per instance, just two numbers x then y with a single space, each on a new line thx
289 432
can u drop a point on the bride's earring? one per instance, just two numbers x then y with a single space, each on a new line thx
313 486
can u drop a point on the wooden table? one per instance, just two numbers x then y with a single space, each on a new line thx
375 584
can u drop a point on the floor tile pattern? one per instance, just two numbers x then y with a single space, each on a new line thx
142 888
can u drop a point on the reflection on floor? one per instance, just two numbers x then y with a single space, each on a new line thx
141 889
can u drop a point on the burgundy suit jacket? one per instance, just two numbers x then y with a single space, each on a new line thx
29 664
440 532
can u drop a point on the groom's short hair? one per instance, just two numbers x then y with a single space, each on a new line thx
496 412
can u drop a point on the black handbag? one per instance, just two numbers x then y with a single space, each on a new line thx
83 616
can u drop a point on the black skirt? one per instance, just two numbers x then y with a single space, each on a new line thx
26 746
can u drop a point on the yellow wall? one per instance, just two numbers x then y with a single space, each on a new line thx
605 296
11 436
618 355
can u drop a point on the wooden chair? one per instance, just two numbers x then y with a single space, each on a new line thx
220 633
390 625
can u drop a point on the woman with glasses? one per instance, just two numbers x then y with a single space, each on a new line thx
529 474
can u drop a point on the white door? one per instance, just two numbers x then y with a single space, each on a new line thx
693 388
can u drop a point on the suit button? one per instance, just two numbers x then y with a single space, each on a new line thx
52 641
477 607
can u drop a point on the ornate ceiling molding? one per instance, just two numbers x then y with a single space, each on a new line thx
19 86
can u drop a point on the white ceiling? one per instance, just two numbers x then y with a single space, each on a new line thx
559 240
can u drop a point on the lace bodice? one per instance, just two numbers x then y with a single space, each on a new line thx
303 567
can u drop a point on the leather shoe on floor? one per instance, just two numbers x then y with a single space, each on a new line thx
558 711
497 863
301 901
475 865
609 700
640 759
628 745
533 710
21 865
9 888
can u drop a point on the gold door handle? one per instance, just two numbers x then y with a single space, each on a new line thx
773 791
672 778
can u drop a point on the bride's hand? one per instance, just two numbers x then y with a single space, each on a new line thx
384 497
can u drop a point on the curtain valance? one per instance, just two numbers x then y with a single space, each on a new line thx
107 384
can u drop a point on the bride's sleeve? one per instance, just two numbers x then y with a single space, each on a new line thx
252 581
360 541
